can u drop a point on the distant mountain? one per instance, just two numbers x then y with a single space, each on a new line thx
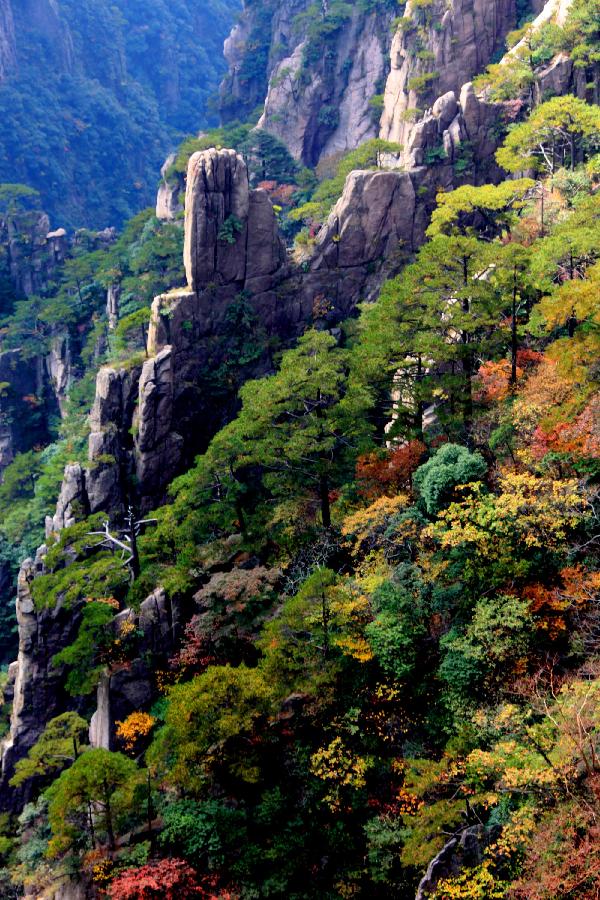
95 92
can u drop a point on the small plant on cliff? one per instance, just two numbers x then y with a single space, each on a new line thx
229 230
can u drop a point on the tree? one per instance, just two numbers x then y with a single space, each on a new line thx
89 802
428 329
562 130
86 656
293 427
402 608
209 722
512 278
16 198
60 744
505 536
165 879
451 466
125 540
487 210
477 658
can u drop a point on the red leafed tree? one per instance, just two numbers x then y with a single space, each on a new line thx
167 879
385 475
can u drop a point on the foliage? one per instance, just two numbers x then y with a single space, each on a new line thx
206 714
61 742
561 131
100 781
98 127
168 878
451 466
84 656
134 728
367 156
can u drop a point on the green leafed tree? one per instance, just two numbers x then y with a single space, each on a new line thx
90 801
562 132
61 743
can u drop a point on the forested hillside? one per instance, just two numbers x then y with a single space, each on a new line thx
94 95
309 604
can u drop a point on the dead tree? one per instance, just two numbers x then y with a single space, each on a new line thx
125 540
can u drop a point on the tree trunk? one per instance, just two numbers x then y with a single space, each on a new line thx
420 404
135 556
109 822
513 333
325 615
324 498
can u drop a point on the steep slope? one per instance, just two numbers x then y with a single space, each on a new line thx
94 94
312 69
358 599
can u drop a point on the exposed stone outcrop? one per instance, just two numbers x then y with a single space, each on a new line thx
373 218
72 503
325 109
242 90
59 365
113 297
38 689
453 126
316 98
169 198
33 250
22 384
110 441
461 851
231 233
8 54
467 34
132 688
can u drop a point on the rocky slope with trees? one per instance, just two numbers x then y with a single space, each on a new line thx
315 612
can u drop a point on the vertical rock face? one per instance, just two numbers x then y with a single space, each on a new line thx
38 687
8 54
110 441
58 365
169 196
317 97
32 256
428 61
231 235
130 689
216 214
322 108
72 503
113 297
22 385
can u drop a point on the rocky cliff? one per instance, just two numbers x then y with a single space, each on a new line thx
150 419
436 49
35 685
314 73
7 39
96 94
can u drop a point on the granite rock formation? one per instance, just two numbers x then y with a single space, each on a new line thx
36 684
316 102
469 33
8 53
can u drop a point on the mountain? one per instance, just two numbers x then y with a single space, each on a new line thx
94 95
299 479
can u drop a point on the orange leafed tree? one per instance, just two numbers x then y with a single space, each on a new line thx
385 475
